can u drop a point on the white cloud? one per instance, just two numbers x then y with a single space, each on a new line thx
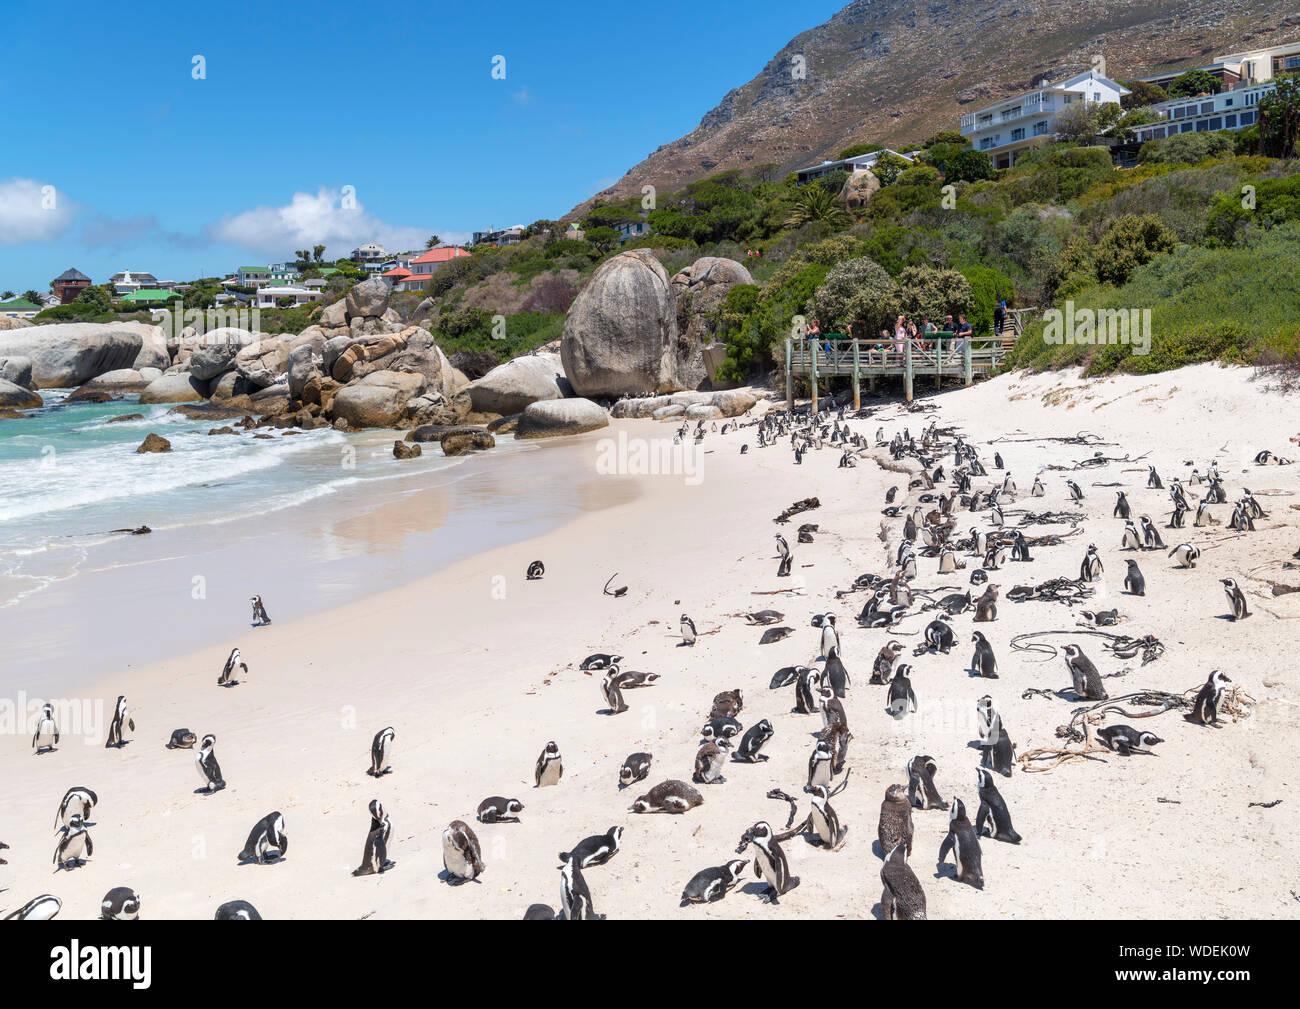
32 211
309 220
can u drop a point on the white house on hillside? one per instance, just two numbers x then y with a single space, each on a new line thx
853 165
1230 110
1006 128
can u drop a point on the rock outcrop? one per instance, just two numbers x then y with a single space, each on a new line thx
377 400
620 336
154 443
70 354
182 388
510 387
17 397
554 417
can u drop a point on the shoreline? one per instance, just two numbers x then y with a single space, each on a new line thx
476 683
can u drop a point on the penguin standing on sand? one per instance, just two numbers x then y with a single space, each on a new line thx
1091 569
688 630
1205 710
266 834
993 808
1122 509
964 845
1153 479
1076 493
834 673
380 748
821 764
260 616
1130 540
75 846
984 662
1084 675
770 863
374 856
575 897
549 766
46 736
825 821
1236 599
461 855
901 694
121 718
921 789
611 689
209 769
884 664
1037 490
830 636
1150 534
710 885
902 898
894 828
1134 583
787 558
752 742
988 721
709 759
226 679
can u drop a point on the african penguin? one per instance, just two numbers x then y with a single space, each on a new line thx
964 845
380 747
993 809
499 809
902 898
549 766
267 834
710 885
461 855
596 849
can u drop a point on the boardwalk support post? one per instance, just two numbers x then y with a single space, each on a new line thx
789 379
965 360
907 370
857 388
812 365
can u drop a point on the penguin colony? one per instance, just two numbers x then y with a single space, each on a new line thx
927 549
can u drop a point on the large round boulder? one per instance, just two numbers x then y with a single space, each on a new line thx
214 352
16 397
122 380
182 388
554 417
858 189
302 369
70 354
263 363
368 299
510 387
412 350
17 370
378 400
620 336
335 315
154 351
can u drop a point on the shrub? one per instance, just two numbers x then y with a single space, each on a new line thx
988 287
1194 82
855 149
857 293
1276 201
920 175
925 291
1129 242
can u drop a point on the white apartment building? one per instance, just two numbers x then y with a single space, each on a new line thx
1006 128
853 165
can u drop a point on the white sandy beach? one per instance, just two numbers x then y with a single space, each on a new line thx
476 669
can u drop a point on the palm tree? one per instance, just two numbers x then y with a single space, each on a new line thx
318 251
433 242
33 296
816 204
7 294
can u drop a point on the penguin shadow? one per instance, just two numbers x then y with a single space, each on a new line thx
974 673
611 711
232 683
877 911
765 893
267 860
118 745
446 877
46 749
380 774
202 790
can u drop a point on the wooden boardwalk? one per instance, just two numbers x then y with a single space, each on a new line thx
945 356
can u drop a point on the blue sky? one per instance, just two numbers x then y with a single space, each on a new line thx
153 169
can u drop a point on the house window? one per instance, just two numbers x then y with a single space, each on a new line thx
1185 128
1207 107
1202 127
1096 96
1293 62
1040 128
1227 103
1230 122
1247 118
1067 99
1018 134
1216 123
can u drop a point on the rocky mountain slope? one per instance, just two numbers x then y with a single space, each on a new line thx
892 71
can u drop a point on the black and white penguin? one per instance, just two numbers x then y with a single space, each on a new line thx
535 571
1236 599
499 809
1186 555
1205 710
688 630
986 606
374 855
718 729
763 618
1131 540
901 695
821 764
993 808
611 685
182 739
964 845
1122 509
1150 534
1020 548
1203 517
1153 479
599 660
988 721
75 846
1001 755
540 912
120 904
635 768
1134 583
1084 675
596 849
380 749
260 617
1037 490
461 855
710 885
939 635
237 910
834 675
825 821
41 908
121 721
549 766
267 834
787 558
632 679
832 708
78 801
1091 569
670 796
575 897
209 769
46 736
752 742
983 662
837 737
902 898
1076 492
709 760
233 662
1125 740
1100 618
830 642
921 789
770 863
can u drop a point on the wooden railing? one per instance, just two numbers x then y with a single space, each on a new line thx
944 355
